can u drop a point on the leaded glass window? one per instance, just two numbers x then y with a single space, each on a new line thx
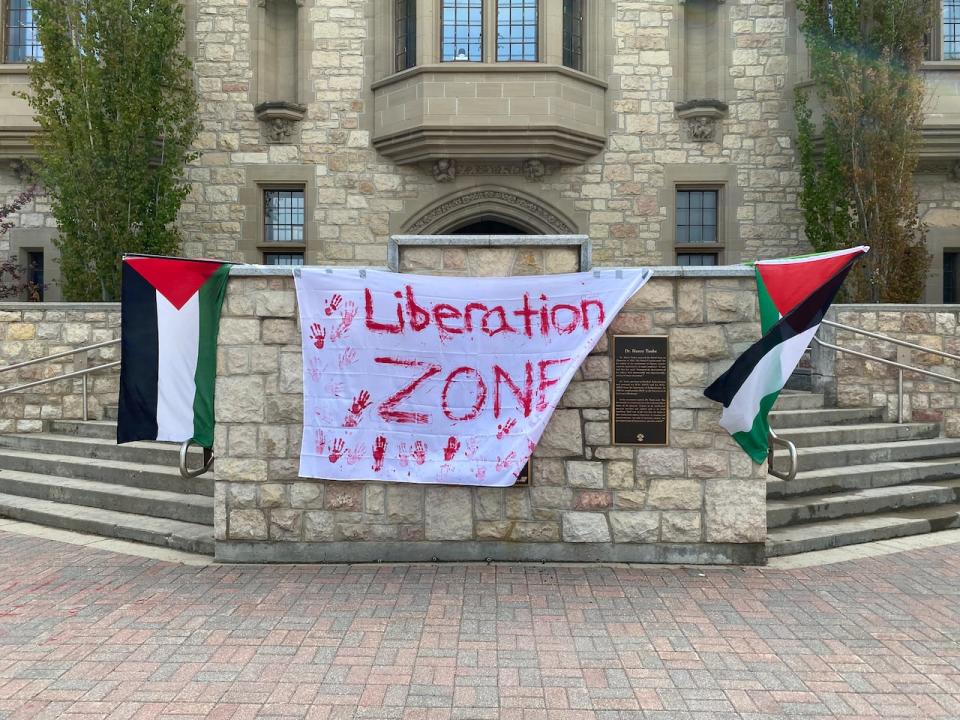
951 30
517 30
573 34
290 258
461 31
405 26
283 216
22 41
696 216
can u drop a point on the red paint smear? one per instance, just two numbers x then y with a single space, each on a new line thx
177 280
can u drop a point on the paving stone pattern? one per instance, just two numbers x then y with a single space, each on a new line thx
91 634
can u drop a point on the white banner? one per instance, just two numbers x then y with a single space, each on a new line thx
423 379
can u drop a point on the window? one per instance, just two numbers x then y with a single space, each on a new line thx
405 22
573 34
696 259
951 260
22 41
462 31
951 30
943 40
283 258
698 226
517 30
283 216
283 224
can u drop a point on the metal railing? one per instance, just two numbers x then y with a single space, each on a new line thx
791 472
81 359
892 363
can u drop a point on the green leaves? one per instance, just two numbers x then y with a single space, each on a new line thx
116 105
858 135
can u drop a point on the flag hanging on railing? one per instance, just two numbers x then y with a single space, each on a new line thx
794 295
423 379
170 316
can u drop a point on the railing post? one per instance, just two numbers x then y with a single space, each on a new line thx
80 363
900 395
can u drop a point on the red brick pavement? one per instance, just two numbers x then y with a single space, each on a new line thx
90 634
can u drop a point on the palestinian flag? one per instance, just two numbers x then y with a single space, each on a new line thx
795 294
170 316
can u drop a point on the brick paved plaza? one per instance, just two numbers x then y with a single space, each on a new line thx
86 633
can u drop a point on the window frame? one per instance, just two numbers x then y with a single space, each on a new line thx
4 38
581 67
688 248
537 24
410 38
484 35
935 51
266 247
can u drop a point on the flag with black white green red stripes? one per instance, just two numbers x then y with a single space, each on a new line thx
794 295
170 317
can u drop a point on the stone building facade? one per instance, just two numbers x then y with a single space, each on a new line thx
357 120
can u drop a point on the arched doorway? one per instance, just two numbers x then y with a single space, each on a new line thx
484 226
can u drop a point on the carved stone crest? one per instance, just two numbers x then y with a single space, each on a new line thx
445 170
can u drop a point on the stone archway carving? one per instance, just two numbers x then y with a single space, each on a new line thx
490 203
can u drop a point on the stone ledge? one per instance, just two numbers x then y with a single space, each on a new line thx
659 271
409 552
64 306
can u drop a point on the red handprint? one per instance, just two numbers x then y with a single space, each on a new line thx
334 388
507 461
332 304
317 334
346 319
419 452
356 454
505 428
360 403
314 369
348 357
320 442
451 449
480 472
473 445
379 449
402 457
336 449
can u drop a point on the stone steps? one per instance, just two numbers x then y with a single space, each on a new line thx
189 508
832 456
808 537
190 537
141 475
832 506
825 435
854 477
790 400
152 453
860 479
74 476
786 419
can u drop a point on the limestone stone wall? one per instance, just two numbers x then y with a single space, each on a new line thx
859 383
621 198
33 330
698 500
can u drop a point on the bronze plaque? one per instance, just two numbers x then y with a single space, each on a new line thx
640 390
